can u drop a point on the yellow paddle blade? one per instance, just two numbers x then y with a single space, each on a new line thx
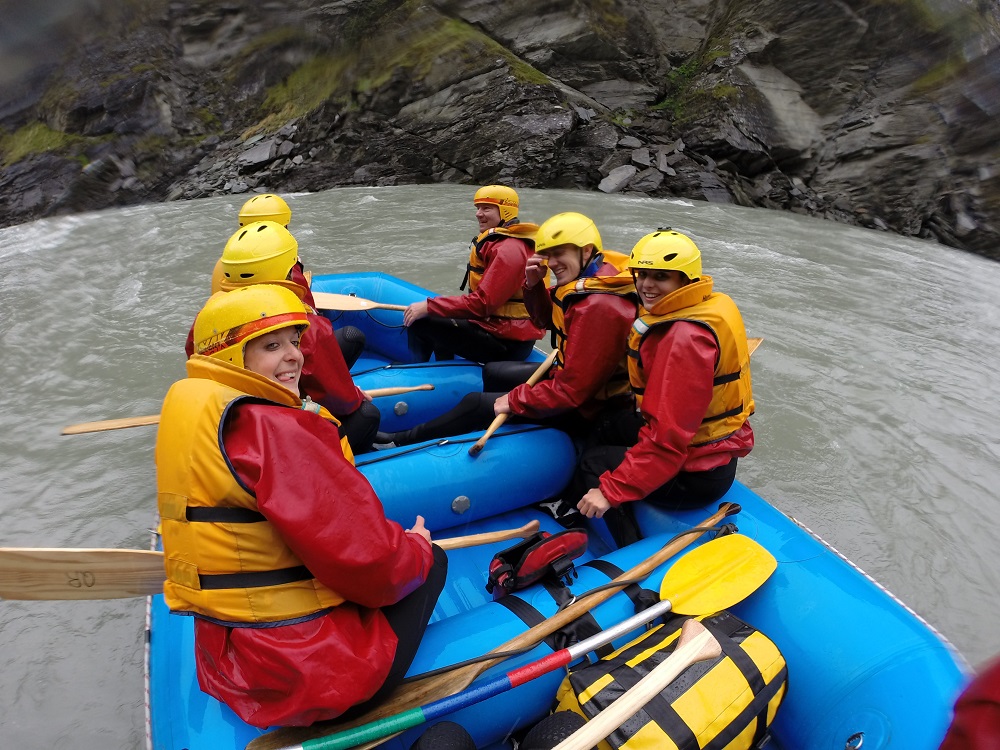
717 575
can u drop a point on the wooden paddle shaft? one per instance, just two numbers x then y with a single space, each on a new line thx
350 303
501 418
695 644
68 573
120 424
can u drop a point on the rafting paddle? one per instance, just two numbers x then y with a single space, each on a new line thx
695 644
125 422
501 418
40 573
433 688
710 578
350 303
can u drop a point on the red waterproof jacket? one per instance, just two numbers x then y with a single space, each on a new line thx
976 724
329 515
504 259
597 327
326 378
680 359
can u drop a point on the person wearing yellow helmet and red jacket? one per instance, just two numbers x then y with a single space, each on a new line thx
309 603
490 323
271 207
266 252
689 366
590 310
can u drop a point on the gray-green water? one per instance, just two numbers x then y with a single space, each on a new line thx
876 423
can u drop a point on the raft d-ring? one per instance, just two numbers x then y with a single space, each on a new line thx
461 504
855 741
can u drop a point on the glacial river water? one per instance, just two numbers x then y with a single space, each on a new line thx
876 426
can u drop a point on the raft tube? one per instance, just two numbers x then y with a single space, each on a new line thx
864 670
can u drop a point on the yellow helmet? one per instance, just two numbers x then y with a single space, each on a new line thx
265 207
667 250
230 319
259 252
500 196
568 228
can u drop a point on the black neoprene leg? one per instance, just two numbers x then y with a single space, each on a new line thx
351 341
408 619
360 426
473 412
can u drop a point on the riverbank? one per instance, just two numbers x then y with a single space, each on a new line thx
879 116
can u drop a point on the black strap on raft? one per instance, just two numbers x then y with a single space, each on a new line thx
641 598
580 629
542 555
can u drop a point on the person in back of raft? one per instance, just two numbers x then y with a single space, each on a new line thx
590 309
271 207
267 253
490 323
309 603
689 367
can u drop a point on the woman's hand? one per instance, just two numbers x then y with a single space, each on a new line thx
594 504
420 530
501 405
535 270
414 312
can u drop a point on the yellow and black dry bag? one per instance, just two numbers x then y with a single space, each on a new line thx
726 703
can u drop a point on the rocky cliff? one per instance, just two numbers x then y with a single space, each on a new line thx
881 113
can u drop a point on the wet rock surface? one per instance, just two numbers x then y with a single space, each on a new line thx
869 114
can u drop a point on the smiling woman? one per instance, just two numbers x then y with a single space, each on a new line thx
264 558
276 356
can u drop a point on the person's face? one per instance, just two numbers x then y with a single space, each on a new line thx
653 285
566 262
276 356
488 216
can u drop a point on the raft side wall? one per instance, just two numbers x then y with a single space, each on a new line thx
859 661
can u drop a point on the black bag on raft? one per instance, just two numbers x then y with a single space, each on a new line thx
541 555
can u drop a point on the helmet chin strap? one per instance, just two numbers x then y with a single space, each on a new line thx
588 270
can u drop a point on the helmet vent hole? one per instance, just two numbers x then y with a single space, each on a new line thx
262 227
669 256
245 275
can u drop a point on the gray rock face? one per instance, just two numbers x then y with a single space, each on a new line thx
882 115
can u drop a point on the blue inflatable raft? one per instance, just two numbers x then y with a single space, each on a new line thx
864 670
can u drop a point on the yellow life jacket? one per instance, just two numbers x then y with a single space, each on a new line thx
224 561
726 703
562 297
732 393
513 308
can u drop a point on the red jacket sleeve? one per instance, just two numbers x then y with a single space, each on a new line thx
680 362
502 279
539 304
326 379
322 506
598 326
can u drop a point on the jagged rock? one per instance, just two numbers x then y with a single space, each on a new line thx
617 179
647 180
